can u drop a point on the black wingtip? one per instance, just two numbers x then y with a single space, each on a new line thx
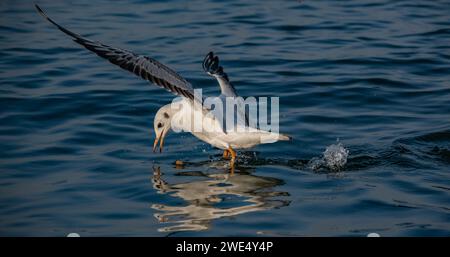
212 67
207 61
43 14
40 11
68 32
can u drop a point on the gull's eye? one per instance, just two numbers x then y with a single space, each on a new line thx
160 125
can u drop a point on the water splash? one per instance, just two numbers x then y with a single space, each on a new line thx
334 158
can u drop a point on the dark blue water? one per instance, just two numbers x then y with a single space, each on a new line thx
76 132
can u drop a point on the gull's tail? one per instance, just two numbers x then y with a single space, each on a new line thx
284 137
271 137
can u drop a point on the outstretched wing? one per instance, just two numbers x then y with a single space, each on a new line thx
211 66
143 66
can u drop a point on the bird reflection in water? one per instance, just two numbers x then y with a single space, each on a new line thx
211 196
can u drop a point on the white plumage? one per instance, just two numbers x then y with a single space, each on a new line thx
191 113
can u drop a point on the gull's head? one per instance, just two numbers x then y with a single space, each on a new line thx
162 126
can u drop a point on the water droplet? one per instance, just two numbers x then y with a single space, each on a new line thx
334 158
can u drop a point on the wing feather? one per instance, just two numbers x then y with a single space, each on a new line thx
143 66
212 67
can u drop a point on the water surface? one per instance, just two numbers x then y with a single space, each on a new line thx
76 133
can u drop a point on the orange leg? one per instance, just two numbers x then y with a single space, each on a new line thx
233 158
226 154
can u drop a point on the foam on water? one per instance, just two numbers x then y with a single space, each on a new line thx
334 158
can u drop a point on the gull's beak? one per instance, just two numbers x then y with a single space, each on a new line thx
157 139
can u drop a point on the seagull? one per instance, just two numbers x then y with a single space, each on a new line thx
213 132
